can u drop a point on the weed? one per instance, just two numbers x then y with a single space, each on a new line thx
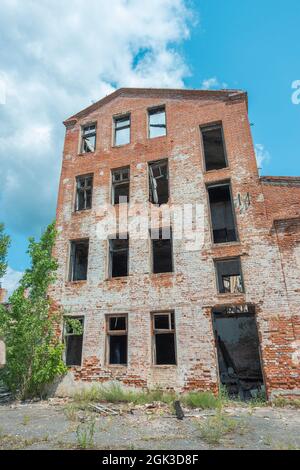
216 427
282 402
85 435
25 420
203 400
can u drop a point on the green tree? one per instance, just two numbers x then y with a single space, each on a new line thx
4 245
33 349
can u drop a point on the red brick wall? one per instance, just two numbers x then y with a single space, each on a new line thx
191 290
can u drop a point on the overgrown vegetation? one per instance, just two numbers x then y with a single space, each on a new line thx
34 352
203 400
217 427
85 435
114 393
4 245
282 402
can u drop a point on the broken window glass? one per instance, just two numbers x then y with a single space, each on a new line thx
88 143
84 190
73 340
157 122
214 148
117 339
79 260
159 182
162 257
118 257
120 185
229 276
222 215
122 130
164 351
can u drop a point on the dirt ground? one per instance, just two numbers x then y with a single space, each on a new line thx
54 424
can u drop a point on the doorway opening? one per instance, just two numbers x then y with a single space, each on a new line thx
238 350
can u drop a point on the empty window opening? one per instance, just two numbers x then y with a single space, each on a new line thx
73 339
222 215
117 339
214 148
238 351
79 260
88 142
84 190
157 122
229 276
164 350
162 257
122 130
159 182
120 185
118 257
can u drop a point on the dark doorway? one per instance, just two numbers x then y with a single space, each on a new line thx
238 351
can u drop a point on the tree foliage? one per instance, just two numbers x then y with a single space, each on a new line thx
33 349
4 245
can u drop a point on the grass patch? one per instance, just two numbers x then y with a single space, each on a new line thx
85 435
281 402
203 400
217 427
116 394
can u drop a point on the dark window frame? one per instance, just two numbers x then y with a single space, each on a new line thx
151 178
152 111
216 185
208 127
221 290
110 333
162 331
67 334
110 251
88 135
122 182
152 249
71 274
120 118
84 190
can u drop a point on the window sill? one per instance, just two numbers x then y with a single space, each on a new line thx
169 273
118 278
211 172
73 283
117 366
157 137
164 366
115 146
231 294
218 245
85 153
81 211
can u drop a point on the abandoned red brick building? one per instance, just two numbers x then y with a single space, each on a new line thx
153 313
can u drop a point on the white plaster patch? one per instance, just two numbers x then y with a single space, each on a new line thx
181 157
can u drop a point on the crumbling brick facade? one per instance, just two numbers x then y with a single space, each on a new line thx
267 215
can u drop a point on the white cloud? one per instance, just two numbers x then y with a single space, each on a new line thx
212 84
10 280
56 59
262 155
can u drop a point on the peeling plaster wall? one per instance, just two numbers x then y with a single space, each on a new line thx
191 290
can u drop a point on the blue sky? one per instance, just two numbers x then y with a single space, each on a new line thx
55 60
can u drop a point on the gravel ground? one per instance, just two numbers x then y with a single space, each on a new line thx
55 424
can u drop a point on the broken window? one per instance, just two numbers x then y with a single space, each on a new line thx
122 130
229 276
88 142
73 339
238 351
79 260
214 148
162 259
120 185
157 122
164 351
84 190
222 215
159 182
117 339
118 257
